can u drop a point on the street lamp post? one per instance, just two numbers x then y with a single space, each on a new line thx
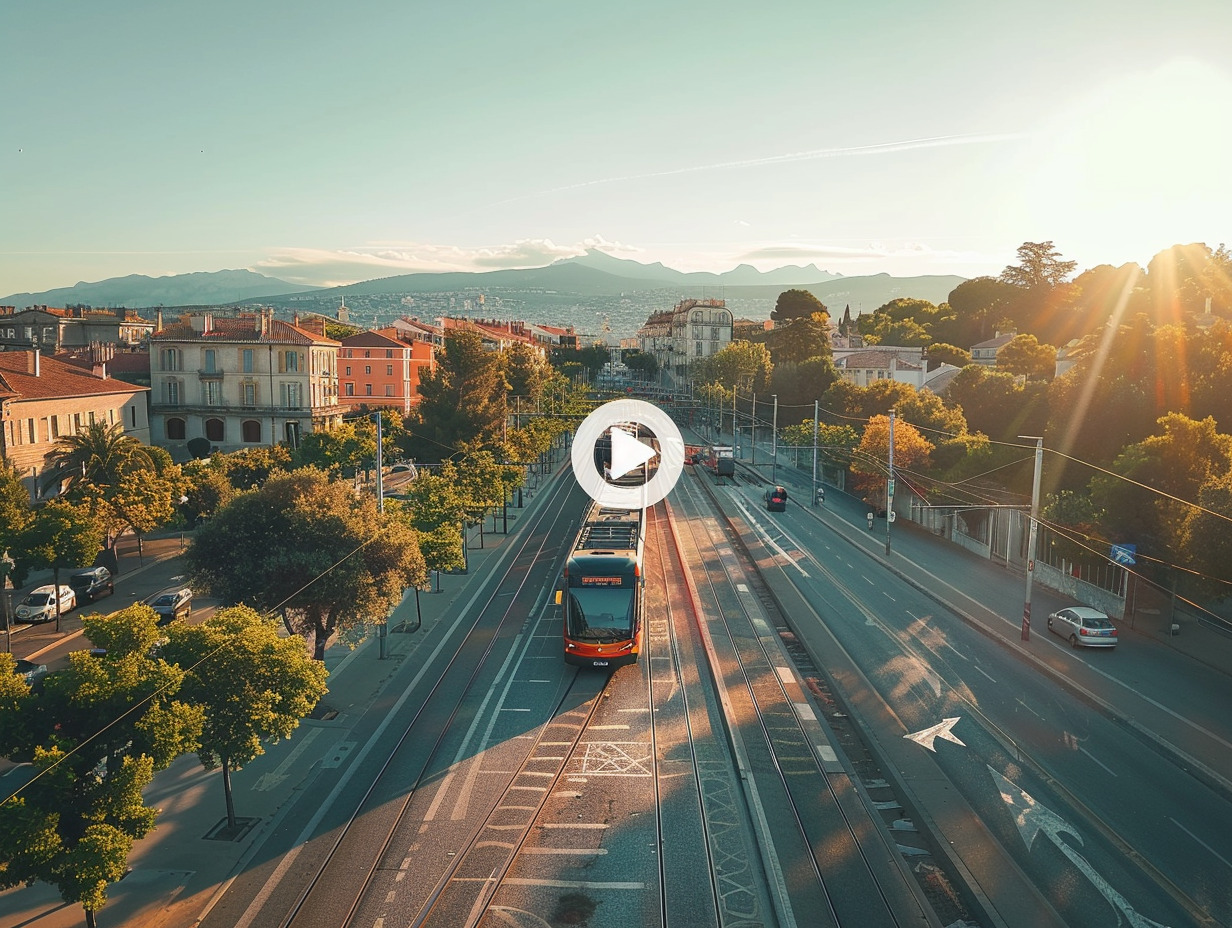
1031 533
6 567
774 443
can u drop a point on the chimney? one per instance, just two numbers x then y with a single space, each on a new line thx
158 320
33 365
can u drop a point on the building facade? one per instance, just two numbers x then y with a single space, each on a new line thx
43 401
690 331
379 369
240 381
54 329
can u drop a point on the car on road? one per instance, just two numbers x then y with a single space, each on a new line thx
90 584
776 499
40 605
1083 626
29 670
172 605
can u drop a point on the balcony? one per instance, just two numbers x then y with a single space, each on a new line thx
211 374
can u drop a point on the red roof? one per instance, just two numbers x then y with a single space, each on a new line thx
241 329
55 379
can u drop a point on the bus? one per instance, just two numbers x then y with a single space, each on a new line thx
603 588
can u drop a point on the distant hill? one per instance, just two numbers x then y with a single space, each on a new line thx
136 291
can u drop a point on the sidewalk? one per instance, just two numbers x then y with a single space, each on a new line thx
184 865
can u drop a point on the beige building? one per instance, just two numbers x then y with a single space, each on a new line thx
55 329
43 400
691 330
241 381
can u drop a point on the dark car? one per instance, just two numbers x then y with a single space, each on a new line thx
172 605
90 584
776 499
29 671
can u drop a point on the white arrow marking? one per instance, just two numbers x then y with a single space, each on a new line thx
927 736
1032 818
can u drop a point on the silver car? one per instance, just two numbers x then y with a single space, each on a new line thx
1083 626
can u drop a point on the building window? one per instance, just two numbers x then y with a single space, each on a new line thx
214 429
248 394
171 392
389 352
290 361
211 360
176 430
76 422
170 360
367 368
212 391
291 394
367 389
250 431
293 434
246 360
389 389
33 434
697 348
350 389
367 354
389 370
348 370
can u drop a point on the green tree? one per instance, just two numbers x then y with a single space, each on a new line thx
1024 355
99 455
433 506
344 450
994 403
1208 542
60 535
309 547
207 490
252 686
96 734
796 304
248 468
979 306
796 340
15 512
526 370
1039 267
939 353
740 365
462 402
641 362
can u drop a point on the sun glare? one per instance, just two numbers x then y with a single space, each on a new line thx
1140 164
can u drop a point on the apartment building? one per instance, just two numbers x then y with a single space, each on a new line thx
238 381
691 330
53 329
380 369
43 400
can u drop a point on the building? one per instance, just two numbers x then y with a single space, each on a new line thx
380 369
231 382
691 330
55 329
986 352
903 365
43 400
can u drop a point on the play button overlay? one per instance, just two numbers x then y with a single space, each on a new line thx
615 441
628 453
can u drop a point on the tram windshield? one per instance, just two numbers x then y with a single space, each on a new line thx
601 613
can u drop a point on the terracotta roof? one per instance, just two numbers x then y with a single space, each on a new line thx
371 339
874 359
241 329
55 379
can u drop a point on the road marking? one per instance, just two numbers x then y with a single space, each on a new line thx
268 781
1029 709
1097 760
942 730
1212 851
985 673
888 596
563 884
577 852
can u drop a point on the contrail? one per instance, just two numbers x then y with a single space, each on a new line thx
882 148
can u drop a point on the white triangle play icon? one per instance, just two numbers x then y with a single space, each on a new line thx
628 453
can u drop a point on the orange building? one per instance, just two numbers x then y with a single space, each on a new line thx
379 369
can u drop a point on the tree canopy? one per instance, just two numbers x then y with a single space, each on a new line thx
796 304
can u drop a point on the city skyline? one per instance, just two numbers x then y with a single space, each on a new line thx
391 138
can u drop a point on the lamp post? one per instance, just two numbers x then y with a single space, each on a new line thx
1031 534
6 567
774 442
890 486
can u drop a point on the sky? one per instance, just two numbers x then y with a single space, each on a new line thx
324 143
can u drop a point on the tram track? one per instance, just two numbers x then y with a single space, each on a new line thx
322 900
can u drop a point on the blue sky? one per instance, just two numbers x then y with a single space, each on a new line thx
325 143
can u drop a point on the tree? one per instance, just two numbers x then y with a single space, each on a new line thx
60 535
462 402
870 463
344 450
797 340
1208 543
309 547
99 455
526 370
738 365
15 512
979 306
796 304
641 362
1025 356
1039 266
939 353
251 685
248 468
207 490
96 734
433 506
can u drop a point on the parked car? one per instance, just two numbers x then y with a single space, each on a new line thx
1083 627
172 605
40 605
90 584
30 670
776 499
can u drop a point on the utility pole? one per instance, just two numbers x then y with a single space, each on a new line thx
753 428
890 486
816 412
382 632
774 443
1031 533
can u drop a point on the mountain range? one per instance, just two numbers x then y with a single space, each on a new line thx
592 275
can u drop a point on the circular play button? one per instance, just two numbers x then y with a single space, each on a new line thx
611 477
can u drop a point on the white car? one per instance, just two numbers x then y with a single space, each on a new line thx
1083 626
40 605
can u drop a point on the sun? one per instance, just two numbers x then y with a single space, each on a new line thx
1139 164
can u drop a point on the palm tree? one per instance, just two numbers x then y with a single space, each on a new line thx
99 455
